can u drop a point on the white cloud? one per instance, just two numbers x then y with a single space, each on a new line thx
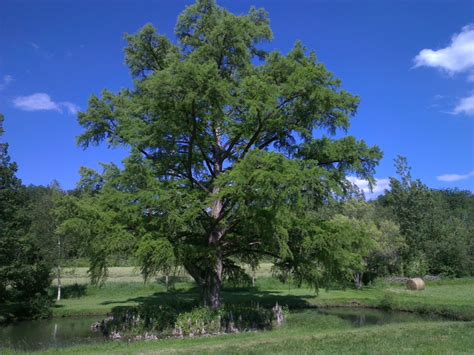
71 108
455 177
380 186
455 58
43 102
7 79
36 102
458 57
34 45
465 106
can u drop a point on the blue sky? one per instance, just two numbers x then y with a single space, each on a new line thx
411 62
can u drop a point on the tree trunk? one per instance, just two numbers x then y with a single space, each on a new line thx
58 298
212 286
209 282
358 280
212 280
208 275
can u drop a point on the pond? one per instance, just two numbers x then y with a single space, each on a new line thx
49 333
360 317
64 332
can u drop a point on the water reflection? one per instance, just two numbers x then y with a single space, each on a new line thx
54 333
360 317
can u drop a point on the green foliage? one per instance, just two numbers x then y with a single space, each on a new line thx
437 225
224 166
95 231
144 318
417 266
24 270
155 254
388 245
199 321
180 319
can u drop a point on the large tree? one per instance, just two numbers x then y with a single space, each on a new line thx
232 148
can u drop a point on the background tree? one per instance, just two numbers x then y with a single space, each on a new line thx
380 244
24 271
436 225
224 165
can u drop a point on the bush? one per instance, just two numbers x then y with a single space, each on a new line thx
417 266
143 318
199 321
182 320
246 317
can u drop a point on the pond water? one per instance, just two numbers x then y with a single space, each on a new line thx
360 317
49 333
64 332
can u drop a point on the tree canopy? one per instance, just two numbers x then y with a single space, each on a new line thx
232 151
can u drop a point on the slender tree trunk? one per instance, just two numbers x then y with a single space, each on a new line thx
358 280
59 284
59 270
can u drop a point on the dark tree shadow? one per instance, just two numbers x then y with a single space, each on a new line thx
186 299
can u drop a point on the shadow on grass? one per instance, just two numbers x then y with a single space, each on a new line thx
69 291
189 298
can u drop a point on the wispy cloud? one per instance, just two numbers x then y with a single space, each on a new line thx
380 186
43 102
40 51
70 107
6 80
34 45
455 58
465 106
455 177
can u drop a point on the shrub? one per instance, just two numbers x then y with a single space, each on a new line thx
199 321
182 320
